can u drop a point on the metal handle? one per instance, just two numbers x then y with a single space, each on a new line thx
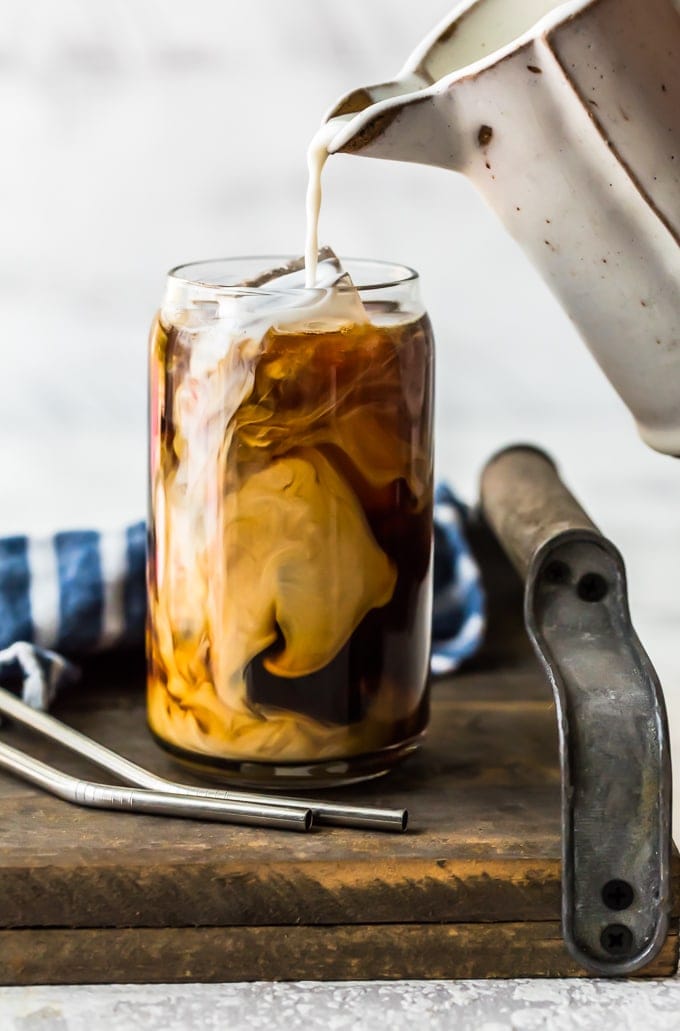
614 745
527 505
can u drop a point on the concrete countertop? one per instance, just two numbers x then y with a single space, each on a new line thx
399 1006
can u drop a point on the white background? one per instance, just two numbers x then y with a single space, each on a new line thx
136 136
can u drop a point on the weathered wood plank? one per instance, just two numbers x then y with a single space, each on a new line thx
472 890
484 844
295 953
329 892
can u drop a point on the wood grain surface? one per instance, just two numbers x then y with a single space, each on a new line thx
483 843
342 953
473 889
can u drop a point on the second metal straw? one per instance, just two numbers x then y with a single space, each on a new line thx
335 813
154 803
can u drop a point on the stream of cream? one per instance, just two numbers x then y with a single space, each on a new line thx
317 155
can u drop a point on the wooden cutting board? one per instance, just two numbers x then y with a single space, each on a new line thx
472 890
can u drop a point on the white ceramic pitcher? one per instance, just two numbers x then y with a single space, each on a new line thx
567 118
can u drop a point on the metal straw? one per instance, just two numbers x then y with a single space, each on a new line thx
338 814
155 803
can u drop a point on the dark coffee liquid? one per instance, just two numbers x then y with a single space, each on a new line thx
364 376
311 559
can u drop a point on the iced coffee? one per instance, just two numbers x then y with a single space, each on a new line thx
291 540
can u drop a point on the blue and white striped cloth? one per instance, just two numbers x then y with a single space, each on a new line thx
84 591
458 615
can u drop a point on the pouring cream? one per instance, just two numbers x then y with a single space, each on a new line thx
317 155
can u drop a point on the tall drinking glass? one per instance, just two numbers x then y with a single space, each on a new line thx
291 521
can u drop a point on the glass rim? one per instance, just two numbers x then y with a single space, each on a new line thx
394 274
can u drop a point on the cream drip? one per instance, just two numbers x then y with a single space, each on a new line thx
317 155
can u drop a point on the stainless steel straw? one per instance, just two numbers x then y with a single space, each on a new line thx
155 803
338 814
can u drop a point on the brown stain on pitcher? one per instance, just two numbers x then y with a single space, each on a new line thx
485 135
370 132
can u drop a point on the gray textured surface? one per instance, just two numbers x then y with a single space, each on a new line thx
404 1006
136 136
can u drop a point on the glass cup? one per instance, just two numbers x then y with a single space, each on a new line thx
290 560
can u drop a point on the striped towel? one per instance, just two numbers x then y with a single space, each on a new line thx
458 614
84 591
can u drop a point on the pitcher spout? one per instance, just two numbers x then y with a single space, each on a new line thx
401 120
363 97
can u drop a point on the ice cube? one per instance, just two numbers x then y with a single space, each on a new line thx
290 305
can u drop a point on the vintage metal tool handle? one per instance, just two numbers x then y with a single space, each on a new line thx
614 745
